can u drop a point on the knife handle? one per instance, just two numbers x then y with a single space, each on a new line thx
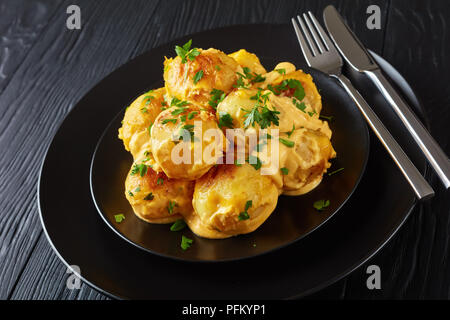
437 158
418 183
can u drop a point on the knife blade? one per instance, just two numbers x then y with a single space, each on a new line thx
356 55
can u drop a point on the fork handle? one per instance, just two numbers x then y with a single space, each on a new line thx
437 158
418 183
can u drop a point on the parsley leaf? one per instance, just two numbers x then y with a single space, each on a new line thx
321 204
329 119
178 103
287 143
119 217
141 168
244 215
150 196
225 120
217 97
281 71
284 171
165 121
254 162
178 225
260 113
185 52
198 76
179 110
192 114
291 132
160 181
335 171
171 206
186 242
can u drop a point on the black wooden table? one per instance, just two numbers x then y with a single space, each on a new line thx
45 68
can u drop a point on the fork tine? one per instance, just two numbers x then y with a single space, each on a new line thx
303 45
314 34
307 36
326 40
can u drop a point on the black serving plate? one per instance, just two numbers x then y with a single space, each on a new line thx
293 218
375 211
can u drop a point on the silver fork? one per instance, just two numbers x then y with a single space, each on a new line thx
320 53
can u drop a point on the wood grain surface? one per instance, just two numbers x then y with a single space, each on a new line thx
46 68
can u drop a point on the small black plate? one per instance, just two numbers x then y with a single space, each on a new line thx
372 215
293 218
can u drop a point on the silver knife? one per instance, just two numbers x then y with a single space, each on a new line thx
359 59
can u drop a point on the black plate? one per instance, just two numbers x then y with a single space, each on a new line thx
293 218
378 207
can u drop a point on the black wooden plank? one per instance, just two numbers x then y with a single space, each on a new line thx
20 25
61 67
50 282
415 264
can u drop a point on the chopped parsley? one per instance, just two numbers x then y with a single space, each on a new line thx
178 103
217 68
260 113
185 52
148 99
192 114
178 225
171 206
254 162
198 76
150 129
160 181
119 217
139 168
291 132
150 196
179 110
225 120
144 110
287 143
190 129
244 215
186 242
284 171
281 71
321 204
217 97
329 119
248 75
130 194
165 121
137 189
335 171
299 105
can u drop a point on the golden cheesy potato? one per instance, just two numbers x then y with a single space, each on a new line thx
306 162
248 60
231 200
186 142
155 198
239 104
312 98
139 116
194 80
303 158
